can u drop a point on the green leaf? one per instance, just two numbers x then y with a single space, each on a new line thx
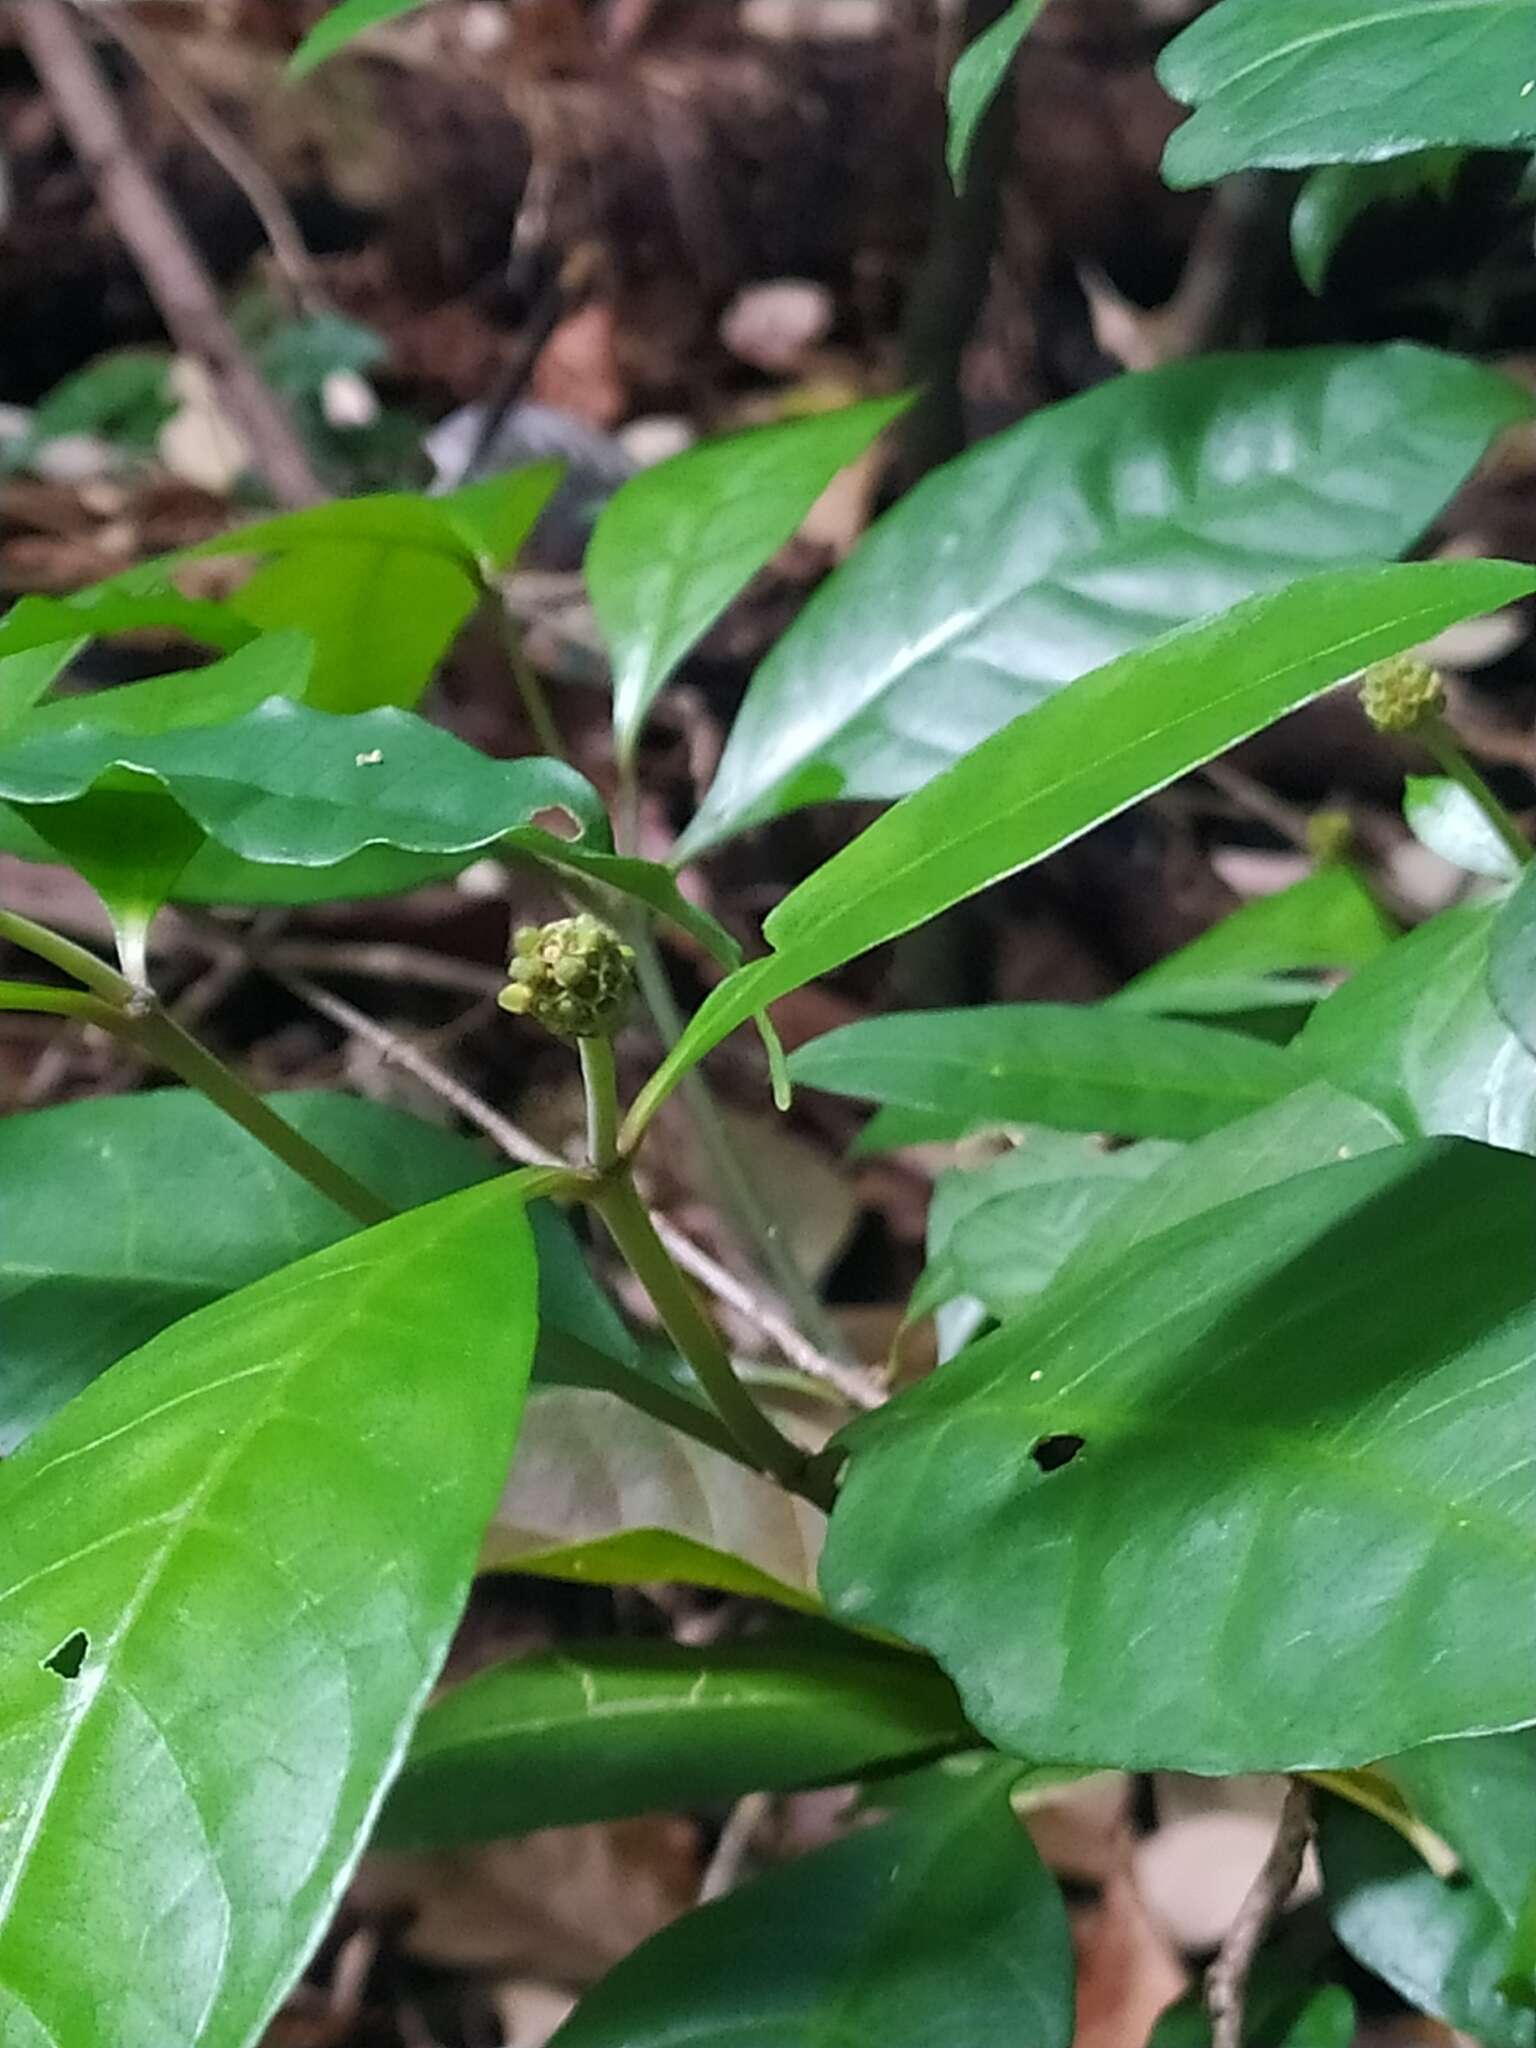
1085 755
1285 84
1078 1067
1335 197
1330 919
38 622
1449 821
96 1260
1314 1126
599 1731
978 72
1481 1797
346 20
1418 1035
937 1925
605 1495
1328 2020
24 678
1079 535
678 542
232 1520
1440 1945
1203 1508
1512 962
272 665
1002 1232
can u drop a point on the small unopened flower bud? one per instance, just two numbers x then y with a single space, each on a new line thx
1330 835
575 977
1400 695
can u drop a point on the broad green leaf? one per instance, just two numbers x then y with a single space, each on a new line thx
1316 1125
1077 1067
225 1539
599 1731
38 622
1335 197
978 72
1444 817
1329 920
1002 1232
1082 533
26 678
603 1494
1481 1797
346 20
1289 83
140 1209
1441 1946
1204 1508
1512 962
271 665
937 1925
1083 756
678 542
1417 1034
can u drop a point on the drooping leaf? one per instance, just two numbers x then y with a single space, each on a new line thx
1330 919
1083 756
1285 84
1083 533
1204 1508
1335 197
1444 817
978 72
346 20
1417 1034
221 1608
603 1494
1512 962
1076 1067
678 542
1441 1946
599 1731
937 1925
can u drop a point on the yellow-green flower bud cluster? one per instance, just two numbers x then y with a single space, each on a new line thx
576 977
1401 695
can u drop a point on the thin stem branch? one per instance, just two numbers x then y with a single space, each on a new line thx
76 961
174 273
1226 1983
629 1224
34 999
525 677
601 1085
1452 760
650 1396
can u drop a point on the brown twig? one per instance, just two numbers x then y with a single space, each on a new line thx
743 1825
172 269
1226 1982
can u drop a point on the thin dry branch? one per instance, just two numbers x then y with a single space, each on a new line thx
1226 1982
171 267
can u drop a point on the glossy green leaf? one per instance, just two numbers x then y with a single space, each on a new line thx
937 1925
1418 1035
1077 1067
1083 756
1512 962
1441 1946
1289 83
346 20
26 678
1335 197
1203 1509
598 1731
232 1520
603 1494
1330 919
678 542
978 73
271 665
1316 1125
37 622
1002 1232
1082 533
97 1260
1444 817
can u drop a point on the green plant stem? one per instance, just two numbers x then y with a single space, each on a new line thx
597 1370
530 688
70 959
1451 758
695 1336
600 1082
77 1003
756 1228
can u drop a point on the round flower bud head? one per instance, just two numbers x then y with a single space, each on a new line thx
575 977
1401 695
1330 835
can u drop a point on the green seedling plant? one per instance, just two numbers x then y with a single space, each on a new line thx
1227 1467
